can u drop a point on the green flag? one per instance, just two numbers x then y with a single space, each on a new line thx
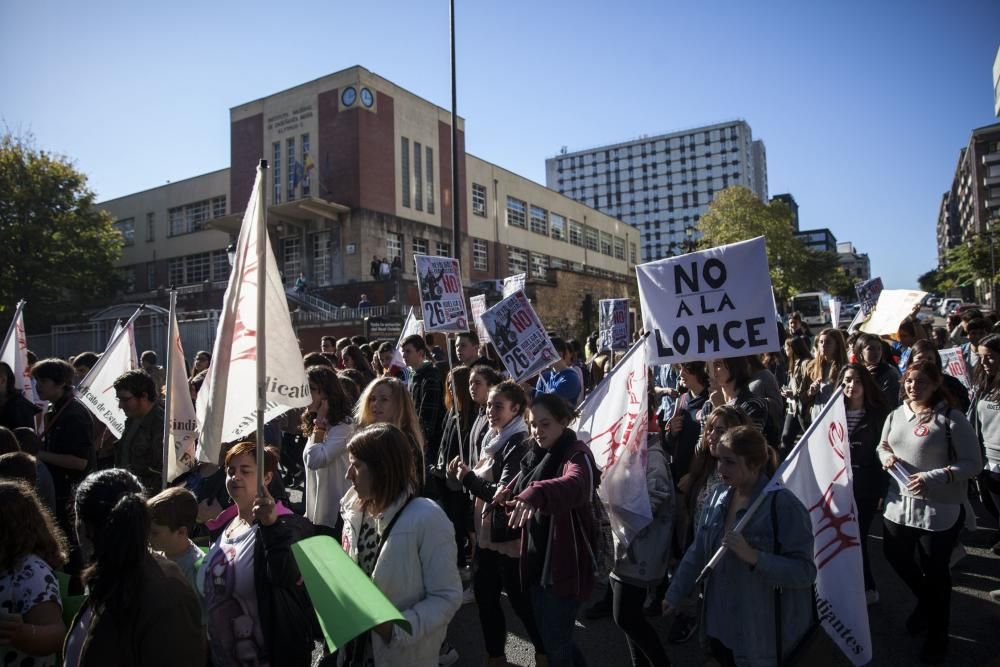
346 601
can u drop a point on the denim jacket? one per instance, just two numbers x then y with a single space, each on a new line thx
750 593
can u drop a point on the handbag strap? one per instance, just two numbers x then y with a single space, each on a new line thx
388 529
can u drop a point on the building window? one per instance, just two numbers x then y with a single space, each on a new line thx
479 199
394 247
575 233
128 278
304 167
557 224
517 261
219 206
516 213
291 257
539 220
151 276
420 246
290 150
442 249
192 269
404 168
418 177
430 179
633 253
191 217
126 227
619 248
150 227
220 266
321 258
480 255
605 244
276 176
590 238
539 265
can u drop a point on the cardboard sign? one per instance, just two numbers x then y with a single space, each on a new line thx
868 293
613 331
442 300
478 304
513 284
894 306
519 337
708 304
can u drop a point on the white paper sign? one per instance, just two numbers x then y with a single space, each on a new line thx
519 337
835 312
442 301
708 304
478 304
894 306
613 331
953 363
512 284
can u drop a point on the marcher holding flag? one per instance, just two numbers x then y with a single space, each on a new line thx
774 551
930 450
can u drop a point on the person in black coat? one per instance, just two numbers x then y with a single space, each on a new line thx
16 411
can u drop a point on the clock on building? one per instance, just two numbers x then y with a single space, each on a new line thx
348 96
367 98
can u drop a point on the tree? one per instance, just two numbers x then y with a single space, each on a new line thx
930 281
737 215
58 250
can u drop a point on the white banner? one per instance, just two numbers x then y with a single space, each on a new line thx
15 354
97 391
227 402
818 472
519 337
442 300
478 307
613 424
893 306
613 331
512 284
708 304
835 312
181 419
411 325
953 363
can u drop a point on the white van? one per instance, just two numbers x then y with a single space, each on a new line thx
945 305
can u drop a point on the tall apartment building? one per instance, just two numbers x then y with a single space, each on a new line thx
662 185
972 205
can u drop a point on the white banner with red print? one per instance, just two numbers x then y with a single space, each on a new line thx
613 423
953 363
519 337
442 300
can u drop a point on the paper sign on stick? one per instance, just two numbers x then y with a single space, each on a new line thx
708 304
868 293
613 331
953 363
519 337
894 306
478 306
442 300
346 601
512 284
835 312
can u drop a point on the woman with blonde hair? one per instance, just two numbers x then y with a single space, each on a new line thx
829 358
387 401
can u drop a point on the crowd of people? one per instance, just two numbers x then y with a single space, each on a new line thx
448 483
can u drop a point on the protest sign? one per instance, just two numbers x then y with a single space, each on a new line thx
512 284
181 421
97 390
818 472
442 300
894 306
519 337
411 326
868 293
708 304
613 331
345 599
478 304
953 363
835 312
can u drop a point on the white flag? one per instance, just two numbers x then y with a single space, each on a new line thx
97 391
835 312
613 423
411 325
227 402
15 355
181 420
818 472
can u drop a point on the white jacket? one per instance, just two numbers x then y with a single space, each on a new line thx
417 571
326 472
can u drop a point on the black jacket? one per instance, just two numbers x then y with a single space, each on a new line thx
506 465
286 613
18 411
428 399
870 480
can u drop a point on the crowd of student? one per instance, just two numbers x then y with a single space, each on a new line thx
446 483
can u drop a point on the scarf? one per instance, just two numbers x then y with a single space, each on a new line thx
494 441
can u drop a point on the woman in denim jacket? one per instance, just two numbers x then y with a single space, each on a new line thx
738 614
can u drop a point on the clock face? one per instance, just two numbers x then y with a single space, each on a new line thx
348 96
367 98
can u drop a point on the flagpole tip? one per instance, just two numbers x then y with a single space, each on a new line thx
262 164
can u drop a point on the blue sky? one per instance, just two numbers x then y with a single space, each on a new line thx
863 107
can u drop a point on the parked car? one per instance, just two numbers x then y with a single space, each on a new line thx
946 305
933 302
962 308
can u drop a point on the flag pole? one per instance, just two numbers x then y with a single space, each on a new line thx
260 333
738 528
13 324
169 397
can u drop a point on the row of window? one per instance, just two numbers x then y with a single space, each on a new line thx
196 268
422 194
699 159
540 221
192 217
691 142
298 167
394 245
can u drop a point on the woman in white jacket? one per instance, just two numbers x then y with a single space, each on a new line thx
328 425
405 544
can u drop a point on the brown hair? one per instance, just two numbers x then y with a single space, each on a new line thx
703 463
250 447
406 413
749 443
174 508
26 527
457 386
827 369
933 373
18 466
338 405
387 453
514 393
